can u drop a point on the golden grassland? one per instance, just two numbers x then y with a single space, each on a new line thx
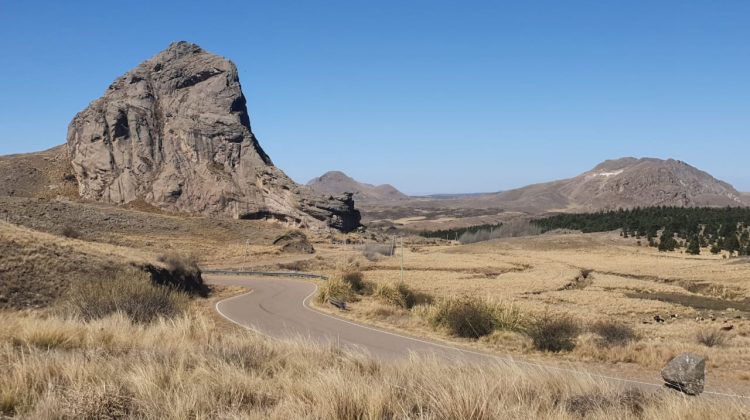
538 275
197 366
192 367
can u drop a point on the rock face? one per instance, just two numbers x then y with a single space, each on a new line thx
336 182
294 242
176 133
623 183
686 373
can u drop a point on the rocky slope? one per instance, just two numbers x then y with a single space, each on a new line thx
336 182
622 183
175 132
46 174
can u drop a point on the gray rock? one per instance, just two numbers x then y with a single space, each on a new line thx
175 132
686 373
295 242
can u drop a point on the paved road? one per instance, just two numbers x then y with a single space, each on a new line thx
279 307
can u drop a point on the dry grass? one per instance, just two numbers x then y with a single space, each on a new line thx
400 295
189 368
618 281
712 337
141 301
36 269
554 333
613 333
472 317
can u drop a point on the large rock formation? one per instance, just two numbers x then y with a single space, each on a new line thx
175 132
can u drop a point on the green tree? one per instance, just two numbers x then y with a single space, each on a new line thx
694 247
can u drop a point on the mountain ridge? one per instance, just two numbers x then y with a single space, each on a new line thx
337 182
623 183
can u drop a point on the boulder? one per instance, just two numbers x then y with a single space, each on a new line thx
294 242
686 373
175 133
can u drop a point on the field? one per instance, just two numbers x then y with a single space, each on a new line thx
113 365
624 284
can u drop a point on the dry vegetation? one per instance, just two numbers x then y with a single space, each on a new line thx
188 367
37 269
605 293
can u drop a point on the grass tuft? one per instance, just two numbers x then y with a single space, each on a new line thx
613 333
472 317
554 333
712 337
400 295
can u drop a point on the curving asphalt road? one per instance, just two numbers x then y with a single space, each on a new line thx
279 307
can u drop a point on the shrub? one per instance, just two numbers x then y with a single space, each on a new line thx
182 273
70 232
554 333
400 295
139 299
472 317
712 337
613 333
335 288
356 280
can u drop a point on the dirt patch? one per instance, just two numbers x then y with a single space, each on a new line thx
695 302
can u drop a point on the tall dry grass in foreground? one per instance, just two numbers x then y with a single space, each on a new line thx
188 368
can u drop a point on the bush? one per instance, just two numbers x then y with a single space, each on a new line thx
400 295
613 333
335 288
70 232
182 273
472 317
356 280
139 299
554 333
712 337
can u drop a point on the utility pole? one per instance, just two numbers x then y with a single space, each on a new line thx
402 259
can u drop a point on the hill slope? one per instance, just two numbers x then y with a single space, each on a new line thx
336 182
622 183
46 174
38 268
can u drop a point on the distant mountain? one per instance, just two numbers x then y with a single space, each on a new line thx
336 182
623 183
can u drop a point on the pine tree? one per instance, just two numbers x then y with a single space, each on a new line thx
694 247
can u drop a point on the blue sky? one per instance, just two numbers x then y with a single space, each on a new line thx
431 96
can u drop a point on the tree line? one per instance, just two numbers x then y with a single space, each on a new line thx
667 228
456 233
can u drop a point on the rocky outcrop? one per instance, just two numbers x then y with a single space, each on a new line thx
686 373
175 132
294 242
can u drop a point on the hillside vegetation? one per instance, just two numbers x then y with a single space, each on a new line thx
722 229
38 269
189 367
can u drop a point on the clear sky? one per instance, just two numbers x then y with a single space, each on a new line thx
431 96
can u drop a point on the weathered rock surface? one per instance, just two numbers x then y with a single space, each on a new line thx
294 242
175 132
686 373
